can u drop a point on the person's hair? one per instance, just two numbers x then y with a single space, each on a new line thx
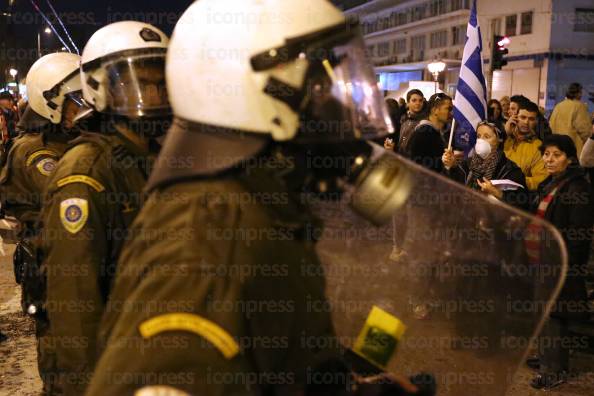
503 99
393 107
529 106
519 99
6 95
436 100
562 142
494 128
414 92
573 91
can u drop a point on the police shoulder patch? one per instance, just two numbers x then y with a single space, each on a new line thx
74 213
191 323
46 166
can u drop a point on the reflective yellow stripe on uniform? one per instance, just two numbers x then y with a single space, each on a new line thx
193 324
39 153
81 179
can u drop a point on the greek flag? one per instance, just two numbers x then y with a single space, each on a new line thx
470 103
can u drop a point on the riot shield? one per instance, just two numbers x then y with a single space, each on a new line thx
457 284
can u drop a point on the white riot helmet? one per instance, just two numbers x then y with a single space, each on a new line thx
291 68
51 80
122 70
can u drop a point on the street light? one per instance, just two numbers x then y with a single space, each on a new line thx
13 73
47 30
435 68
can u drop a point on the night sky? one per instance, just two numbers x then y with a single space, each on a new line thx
18 32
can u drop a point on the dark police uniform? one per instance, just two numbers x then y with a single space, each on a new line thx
219 293
30 162
92 198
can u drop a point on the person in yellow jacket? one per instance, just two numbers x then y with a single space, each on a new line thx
522 145
570 117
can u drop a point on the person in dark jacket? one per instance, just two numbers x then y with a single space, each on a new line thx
488 163
564 199
427 144
495 116
395 115
417 111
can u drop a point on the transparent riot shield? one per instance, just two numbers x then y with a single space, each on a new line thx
456 284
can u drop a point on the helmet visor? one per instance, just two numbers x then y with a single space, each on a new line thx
342 98
136 86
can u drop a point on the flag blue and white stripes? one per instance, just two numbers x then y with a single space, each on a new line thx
470 103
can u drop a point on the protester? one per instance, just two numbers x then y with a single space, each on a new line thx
570 117
495 116
587 156
564 199
505 107
521 145
427 142
395 116
409 121
488 163
9 112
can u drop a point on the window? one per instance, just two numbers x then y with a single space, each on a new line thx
584 20
459 35
418 13
417 42
438 39
456 5
496 26
370 51
511 23
437 7
400 46
417 46
526 27
402 18
383 49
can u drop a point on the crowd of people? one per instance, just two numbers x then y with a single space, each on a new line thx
550 164
125 167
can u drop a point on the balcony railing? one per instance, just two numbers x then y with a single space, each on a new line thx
416 13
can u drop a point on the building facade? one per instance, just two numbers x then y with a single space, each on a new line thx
552 43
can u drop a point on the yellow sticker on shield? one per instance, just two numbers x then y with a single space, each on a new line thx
379 337
74 213
46 166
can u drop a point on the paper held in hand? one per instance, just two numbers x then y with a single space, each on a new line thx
506 185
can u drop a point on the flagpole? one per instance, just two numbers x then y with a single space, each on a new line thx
452 133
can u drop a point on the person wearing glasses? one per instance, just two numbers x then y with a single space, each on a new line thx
489 163
427 142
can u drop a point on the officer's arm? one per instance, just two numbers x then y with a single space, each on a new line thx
39 169
75 249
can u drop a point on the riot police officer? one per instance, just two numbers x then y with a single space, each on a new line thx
212 296
53 86
96 190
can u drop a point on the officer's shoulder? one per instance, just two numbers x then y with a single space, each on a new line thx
80 164
30 148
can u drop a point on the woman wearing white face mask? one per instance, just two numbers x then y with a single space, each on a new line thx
488 163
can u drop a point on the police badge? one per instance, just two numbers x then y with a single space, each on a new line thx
74 213
46 166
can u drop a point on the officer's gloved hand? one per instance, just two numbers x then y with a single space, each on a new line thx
387 384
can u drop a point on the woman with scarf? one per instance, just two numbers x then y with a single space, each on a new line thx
565 200
489 163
